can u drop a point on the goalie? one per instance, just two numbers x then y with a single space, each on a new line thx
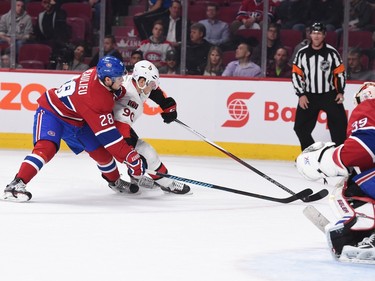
352 238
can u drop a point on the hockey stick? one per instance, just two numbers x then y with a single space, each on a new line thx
314 197
300 195
316 217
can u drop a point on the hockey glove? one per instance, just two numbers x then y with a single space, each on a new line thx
136 164
169 113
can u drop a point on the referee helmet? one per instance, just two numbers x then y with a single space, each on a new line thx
319 27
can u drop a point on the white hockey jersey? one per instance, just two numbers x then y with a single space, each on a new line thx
130 107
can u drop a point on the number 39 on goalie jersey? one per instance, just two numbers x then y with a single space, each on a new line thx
359 147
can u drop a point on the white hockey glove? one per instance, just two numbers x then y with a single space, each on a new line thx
317 162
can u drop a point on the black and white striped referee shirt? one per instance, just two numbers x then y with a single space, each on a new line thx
318 71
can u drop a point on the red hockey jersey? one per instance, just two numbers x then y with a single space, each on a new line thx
84 99
359 148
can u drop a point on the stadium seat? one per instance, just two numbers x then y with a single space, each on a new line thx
365 61
34 8
228 56
359 39
135 9
35 52
197 12
250 33
81 10
4 7
78 28
77 9
228 14
32 64
332 38
290 37
123 31
128 21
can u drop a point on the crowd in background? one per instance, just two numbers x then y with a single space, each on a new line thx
214 46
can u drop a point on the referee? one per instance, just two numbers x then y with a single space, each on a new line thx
318 77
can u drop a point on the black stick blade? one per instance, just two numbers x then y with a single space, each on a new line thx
315 197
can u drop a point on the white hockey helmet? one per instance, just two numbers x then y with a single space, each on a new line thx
366 92
148 71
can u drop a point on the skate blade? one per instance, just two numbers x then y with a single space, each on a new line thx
21 197
173 193
128 194
354 255
356 260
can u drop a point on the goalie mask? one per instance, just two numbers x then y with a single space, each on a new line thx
148 71
366 92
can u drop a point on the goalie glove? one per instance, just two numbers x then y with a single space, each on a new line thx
321 160
169 107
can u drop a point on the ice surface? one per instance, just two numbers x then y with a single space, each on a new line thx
76 228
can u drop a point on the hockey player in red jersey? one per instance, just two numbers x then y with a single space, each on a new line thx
80 113
141 85
352 238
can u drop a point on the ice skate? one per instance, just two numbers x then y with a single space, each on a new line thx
174 187
364 251
121 186
144 182
16 191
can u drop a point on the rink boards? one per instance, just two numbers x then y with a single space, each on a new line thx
252 118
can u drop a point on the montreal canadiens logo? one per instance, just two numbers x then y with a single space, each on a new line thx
237 109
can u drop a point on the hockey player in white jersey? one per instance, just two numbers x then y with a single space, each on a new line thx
141 85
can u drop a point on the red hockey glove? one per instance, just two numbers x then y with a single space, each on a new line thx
136 164
169 113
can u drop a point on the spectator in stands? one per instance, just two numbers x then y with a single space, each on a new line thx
197 50
292 14
74 62
155 48
242 66
51 27
145 20
250 15
360 15
280 68
172 24
135 57
109 47
217 31
5 61
356 71
328 12
273 43
172 65
214 66
24 26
